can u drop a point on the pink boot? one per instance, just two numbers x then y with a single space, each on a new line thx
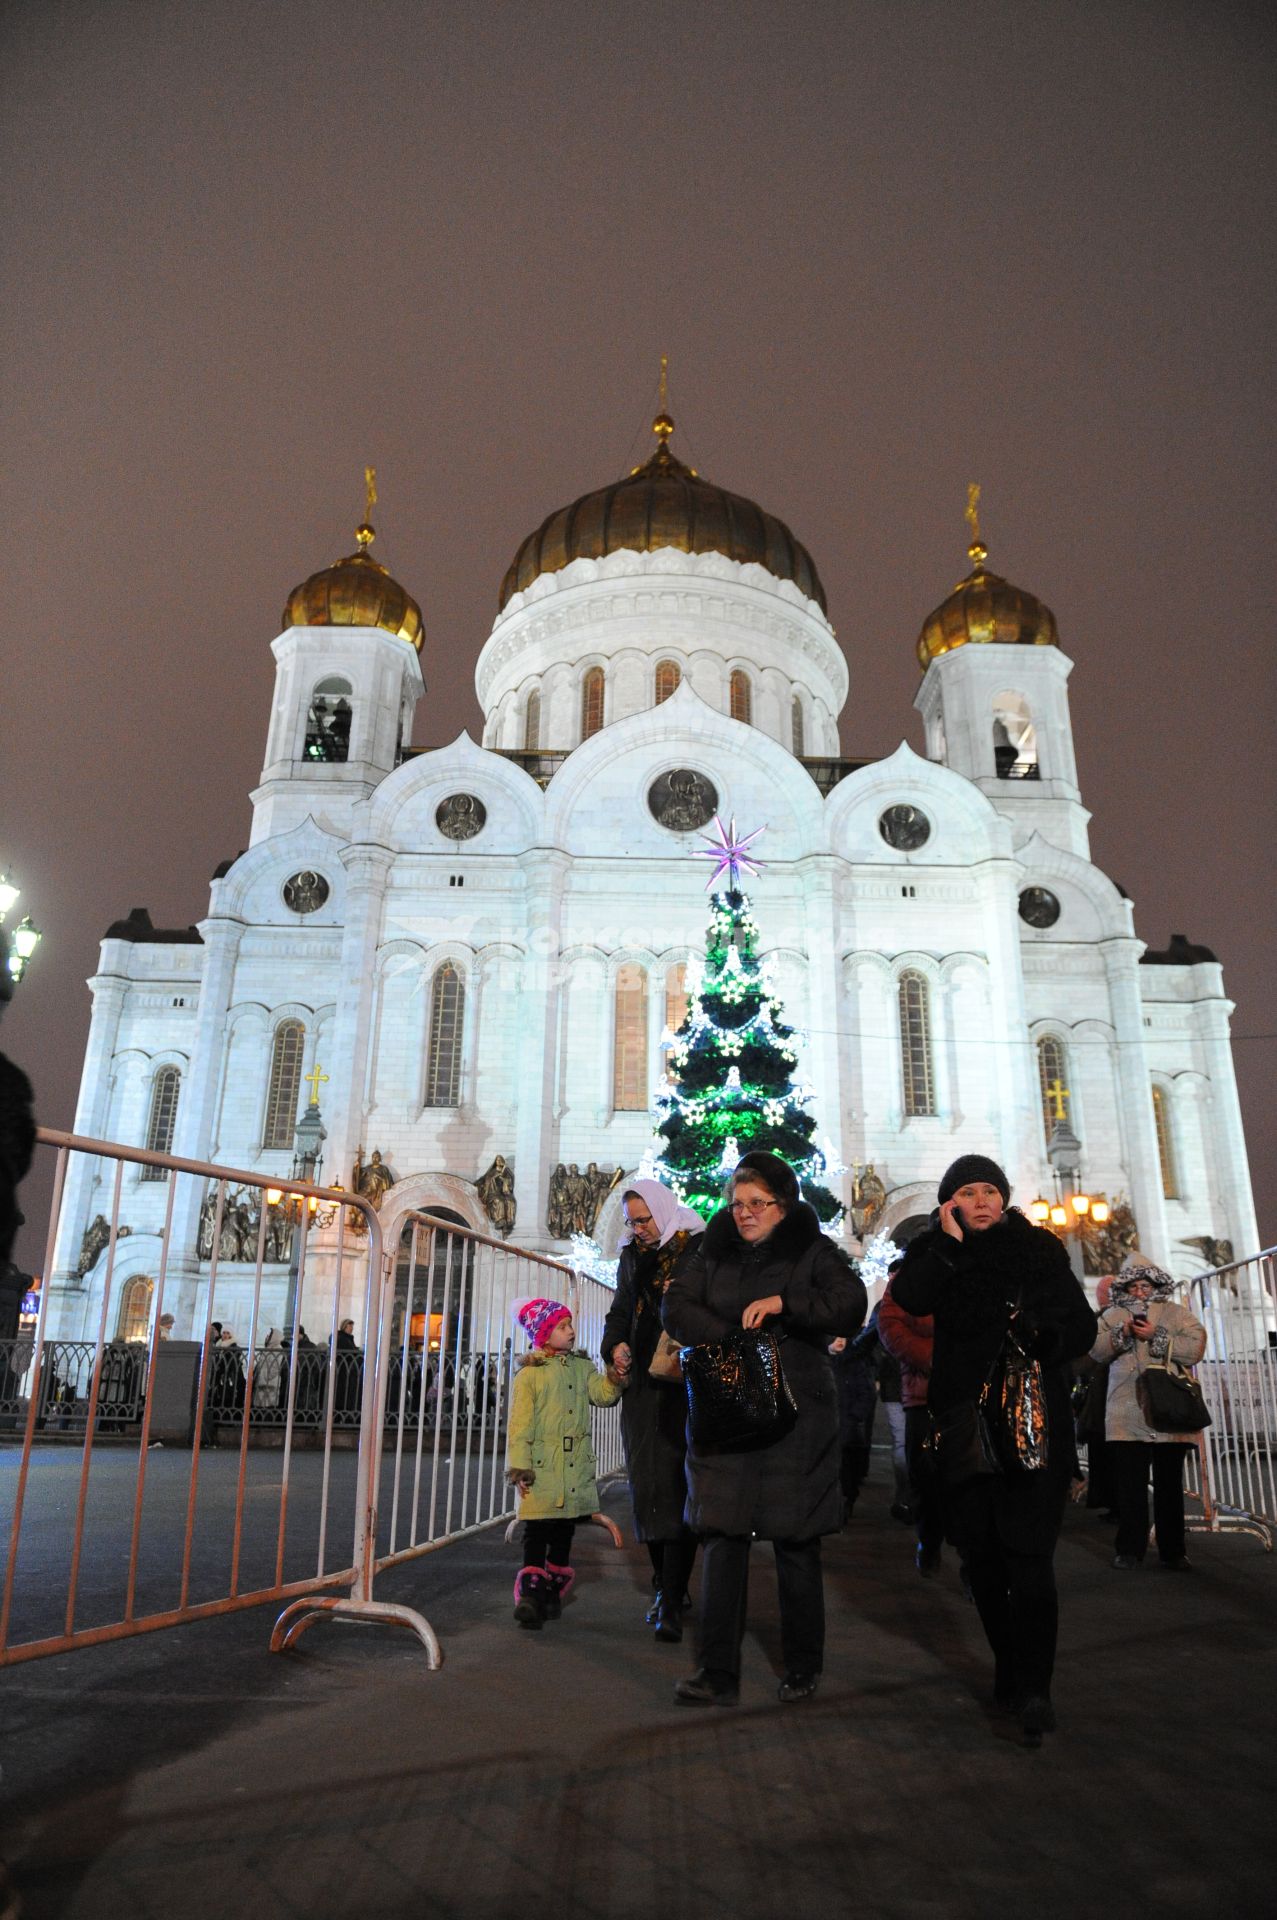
532 1593
561 1580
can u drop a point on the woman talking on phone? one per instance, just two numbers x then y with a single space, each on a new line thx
998 1287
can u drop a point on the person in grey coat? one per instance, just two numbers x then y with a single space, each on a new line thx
765 1262
1144 1326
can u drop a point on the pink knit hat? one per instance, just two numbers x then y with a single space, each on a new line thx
539 1318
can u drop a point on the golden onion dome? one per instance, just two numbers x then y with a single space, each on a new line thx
984 608
662 504
357 591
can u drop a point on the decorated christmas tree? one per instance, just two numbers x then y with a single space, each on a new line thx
732 1062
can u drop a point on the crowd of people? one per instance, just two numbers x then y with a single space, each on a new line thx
985 1352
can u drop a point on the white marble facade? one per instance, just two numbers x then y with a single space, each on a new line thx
572 879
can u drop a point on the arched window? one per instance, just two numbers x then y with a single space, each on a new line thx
447 1020
591 702
1015 738
915 1046
1165 1142
135 1308
676 1005
629 1070
328 721
159 1127
532 722
1053 1067
742 697
667 679
797 730
285 1085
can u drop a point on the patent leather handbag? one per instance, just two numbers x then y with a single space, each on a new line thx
737 1393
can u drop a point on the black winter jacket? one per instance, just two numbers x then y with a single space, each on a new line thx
789 1490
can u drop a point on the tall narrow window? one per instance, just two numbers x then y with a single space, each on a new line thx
667 679
591 702
135 1309
159 1128
915 1046
1015 739
1057 1101
796 728
447 1019
629 1072
285 1085
532 723
328 721
742 697
676 1003
1165 1144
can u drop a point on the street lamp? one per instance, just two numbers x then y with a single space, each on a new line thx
308 1143
16 948
1064 1151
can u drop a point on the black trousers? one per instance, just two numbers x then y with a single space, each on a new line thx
548 1542
1130 1462
672 1564
924 1489
1014 1590
725 1591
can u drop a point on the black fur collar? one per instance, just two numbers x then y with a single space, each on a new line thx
799 1229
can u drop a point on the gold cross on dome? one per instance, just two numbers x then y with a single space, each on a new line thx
1057 1093
314 1081
972 514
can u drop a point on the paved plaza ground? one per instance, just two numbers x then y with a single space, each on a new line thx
191 1773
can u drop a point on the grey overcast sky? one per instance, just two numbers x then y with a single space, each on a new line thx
890 246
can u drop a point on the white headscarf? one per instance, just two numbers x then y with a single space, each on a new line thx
668 1211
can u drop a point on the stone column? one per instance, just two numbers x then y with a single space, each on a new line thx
343 1099
824 1053
540 993
80 1200
196 1112
1013 1067
1135 1102
1228 1141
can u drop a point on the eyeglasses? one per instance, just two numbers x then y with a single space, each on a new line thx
752 1208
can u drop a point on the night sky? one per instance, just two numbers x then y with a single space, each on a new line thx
890 247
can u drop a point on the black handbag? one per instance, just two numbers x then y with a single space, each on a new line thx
959 1444
737 1393
1170 1399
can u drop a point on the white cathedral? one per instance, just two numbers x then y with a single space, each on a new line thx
478 949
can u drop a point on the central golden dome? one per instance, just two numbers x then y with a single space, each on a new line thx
663 504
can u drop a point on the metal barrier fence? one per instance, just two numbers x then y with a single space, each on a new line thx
103 1541
158 1480
1237 1453
436 1423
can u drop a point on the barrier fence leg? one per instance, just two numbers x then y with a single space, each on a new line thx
359 1607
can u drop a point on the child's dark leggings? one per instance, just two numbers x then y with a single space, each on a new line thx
548 1542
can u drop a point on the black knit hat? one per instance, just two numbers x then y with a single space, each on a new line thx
969 1168
770 1171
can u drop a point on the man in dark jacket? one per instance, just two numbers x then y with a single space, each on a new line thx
988 1277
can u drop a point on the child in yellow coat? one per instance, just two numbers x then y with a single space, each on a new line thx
549 1456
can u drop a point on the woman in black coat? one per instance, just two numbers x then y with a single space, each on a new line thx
979 1272
763 1261
660 1237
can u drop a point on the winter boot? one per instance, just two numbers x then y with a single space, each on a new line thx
531 1592
669 1618
559 1582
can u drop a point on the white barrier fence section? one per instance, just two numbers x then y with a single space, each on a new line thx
1238 1376
110 1530
447 1349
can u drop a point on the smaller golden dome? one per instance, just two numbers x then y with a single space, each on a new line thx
985 608
356 592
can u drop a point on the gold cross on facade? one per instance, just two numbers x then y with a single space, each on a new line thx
314 1081
1057 1093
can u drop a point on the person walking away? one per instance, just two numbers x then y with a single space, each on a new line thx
549 1456
911 1337
764 1262
659 1237
984 1273
855 1371
1142 1327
